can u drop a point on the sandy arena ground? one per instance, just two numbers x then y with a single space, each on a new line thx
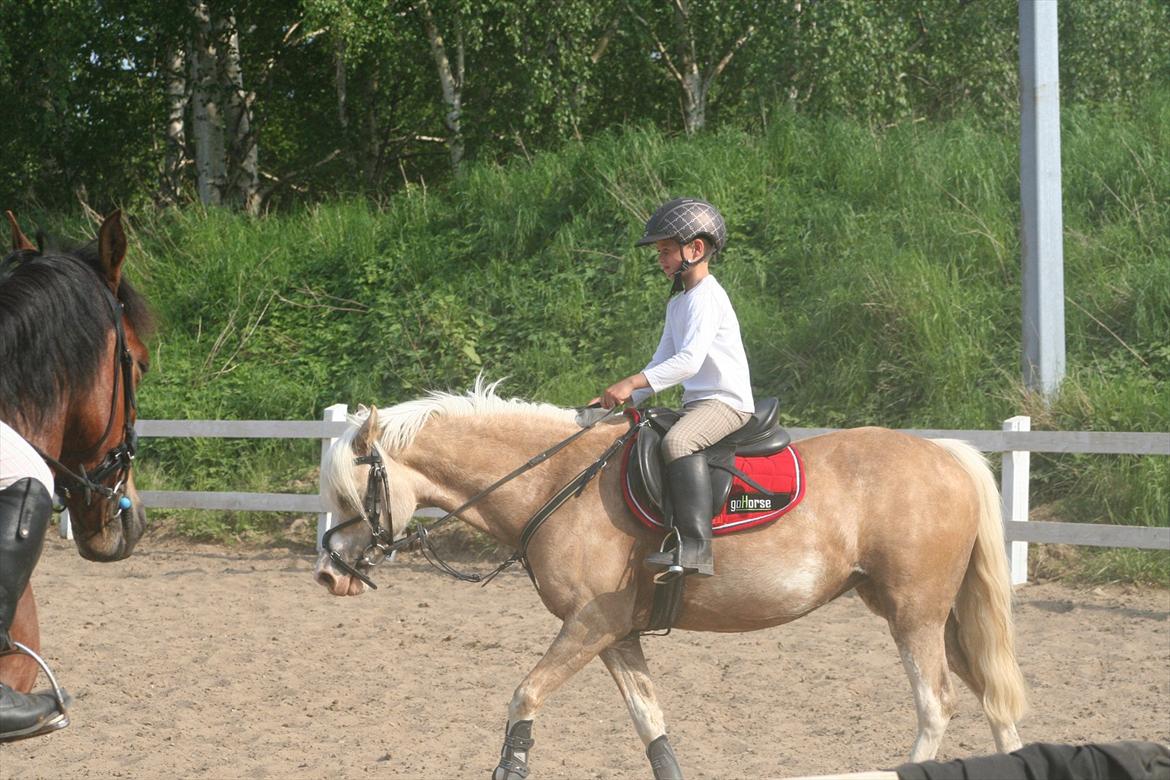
210 663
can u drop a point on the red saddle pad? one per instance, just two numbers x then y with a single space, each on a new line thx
746 507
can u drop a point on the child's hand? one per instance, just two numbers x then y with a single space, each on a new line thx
620 392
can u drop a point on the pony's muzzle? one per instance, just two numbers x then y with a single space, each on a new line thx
339 584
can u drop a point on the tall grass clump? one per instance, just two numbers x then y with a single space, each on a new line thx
876 275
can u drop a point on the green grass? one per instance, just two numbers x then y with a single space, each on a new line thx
875 273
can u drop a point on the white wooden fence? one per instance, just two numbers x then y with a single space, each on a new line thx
1016 441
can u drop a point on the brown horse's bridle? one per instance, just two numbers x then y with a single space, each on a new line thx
119 459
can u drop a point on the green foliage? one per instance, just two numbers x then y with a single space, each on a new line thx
875 274
346 98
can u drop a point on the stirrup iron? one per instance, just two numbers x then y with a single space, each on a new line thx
675 569
58 694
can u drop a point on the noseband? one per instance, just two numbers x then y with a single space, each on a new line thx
118 459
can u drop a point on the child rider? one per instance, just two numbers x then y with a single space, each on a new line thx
702 350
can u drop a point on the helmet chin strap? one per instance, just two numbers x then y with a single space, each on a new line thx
677 286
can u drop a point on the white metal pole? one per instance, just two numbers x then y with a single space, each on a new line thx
335 413
1041 227
1014 489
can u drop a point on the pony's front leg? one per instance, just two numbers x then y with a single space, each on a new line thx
581 638
627 664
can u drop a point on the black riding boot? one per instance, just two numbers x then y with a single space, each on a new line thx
25 510
689 482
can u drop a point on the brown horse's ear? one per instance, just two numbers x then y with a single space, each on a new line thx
112 248
363 443
19 239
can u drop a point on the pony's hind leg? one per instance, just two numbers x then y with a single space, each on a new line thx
924 658
919 634
923 653
627 664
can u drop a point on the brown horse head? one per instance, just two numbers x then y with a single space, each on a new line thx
71 341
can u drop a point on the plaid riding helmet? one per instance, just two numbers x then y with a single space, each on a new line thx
684 220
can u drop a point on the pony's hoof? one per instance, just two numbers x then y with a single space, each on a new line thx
662 760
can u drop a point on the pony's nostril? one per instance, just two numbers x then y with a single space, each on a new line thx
326 579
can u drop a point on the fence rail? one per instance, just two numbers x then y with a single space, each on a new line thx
1015 441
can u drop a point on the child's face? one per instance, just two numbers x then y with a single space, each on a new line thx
669 256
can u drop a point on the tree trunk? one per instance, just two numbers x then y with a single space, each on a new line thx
206 113
694 101
339 82
693 92
371 147
170 187
451 82
794 73
243 157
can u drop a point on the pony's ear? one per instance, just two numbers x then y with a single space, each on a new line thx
19 239
112 248
363 443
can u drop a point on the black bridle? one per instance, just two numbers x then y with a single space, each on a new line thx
382 541
383 545
116 464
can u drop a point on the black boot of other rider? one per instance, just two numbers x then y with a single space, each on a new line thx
25 509
689 482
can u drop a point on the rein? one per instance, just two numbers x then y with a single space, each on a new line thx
384 546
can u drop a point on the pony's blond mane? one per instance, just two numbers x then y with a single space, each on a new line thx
399 425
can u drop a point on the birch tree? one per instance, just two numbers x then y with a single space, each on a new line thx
178 101
703 36
226 150
450 64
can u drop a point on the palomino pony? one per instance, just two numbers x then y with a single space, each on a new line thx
913 525
71 330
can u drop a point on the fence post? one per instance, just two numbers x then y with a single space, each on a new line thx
64 528
1016 465
335 413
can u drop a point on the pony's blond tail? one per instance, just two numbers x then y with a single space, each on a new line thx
983 606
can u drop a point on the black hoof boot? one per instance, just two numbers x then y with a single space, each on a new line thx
514 756
662 760
24 715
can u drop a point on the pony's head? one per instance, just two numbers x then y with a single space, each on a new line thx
71 343
375 507
357 478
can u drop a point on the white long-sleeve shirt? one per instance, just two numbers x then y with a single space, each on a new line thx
701 349
19 460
